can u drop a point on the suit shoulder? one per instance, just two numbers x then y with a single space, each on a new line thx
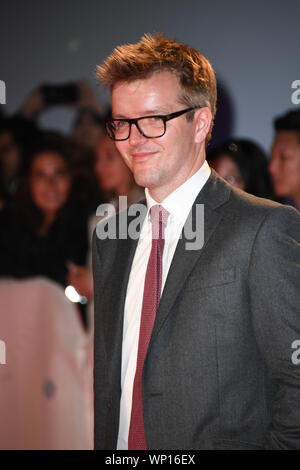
221 195
259 211
250 205
247 200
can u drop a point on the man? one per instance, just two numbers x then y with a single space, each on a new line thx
209 364
285 162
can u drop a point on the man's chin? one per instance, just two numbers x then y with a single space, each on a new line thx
142 181
147 179
143 178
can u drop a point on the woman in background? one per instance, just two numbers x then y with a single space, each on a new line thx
115 179
243 164
46 229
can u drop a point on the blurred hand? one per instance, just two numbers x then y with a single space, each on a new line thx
87 98
80 277
33 104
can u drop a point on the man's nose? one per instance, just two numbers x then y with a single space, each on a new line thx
135 135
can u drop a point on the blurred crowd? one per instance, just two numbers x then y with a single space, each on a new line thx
244 164
50 187
52 183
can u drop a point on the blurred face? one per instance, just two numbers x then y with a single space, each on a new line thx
50 182
9 155
160 164
285 164
87 132
228 169
111 171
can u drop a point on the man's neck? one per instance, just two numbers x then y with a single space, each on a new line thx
161 192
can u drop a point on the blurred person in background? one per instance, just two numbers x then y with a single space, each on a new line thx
46 228
20 137
19 133
16 135
87 128
90 113
87 194
115 179
113 174
285 158
244 165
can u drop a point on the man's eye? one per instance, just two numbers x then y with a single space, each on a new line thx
152 121
155 119
120 124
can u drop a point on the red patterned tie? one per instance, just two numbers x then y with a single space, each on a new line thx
152 290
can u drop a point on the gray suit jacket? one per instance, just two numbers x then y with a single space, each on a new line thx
219 372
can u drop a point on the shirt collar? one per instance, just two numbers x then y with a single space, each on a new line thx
179 202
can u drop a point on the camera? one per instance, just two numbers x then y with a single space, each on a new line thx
67 93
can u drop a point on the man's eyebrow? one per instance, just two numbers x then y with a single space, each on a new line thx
149 112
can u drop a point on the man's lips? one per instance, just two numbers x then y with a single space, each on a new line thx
142 155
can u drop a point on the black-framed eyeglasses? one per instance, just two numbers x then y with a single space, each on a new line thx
151 127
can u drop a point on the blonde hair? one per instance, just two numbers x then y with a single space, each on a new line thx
158 53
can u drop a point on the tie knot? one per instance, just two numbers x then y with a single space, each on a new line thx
159 219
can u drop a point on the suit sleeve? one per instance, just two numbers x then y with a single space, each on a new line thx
274 281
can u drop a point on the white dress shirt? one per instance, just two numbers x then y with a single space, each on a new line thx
178 204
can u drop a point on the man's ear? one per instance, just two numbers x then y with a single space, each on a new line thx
202 122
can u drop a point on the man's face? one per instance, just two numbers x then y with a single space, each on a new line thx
160 164
285 164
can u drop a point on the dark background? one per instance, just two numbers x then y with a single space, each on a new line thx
254 48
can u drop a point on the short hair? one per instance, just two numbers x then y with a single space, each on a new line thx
289 121
157 53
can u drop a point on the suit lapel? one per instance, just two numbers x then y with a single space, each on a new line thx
213 194
121 270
